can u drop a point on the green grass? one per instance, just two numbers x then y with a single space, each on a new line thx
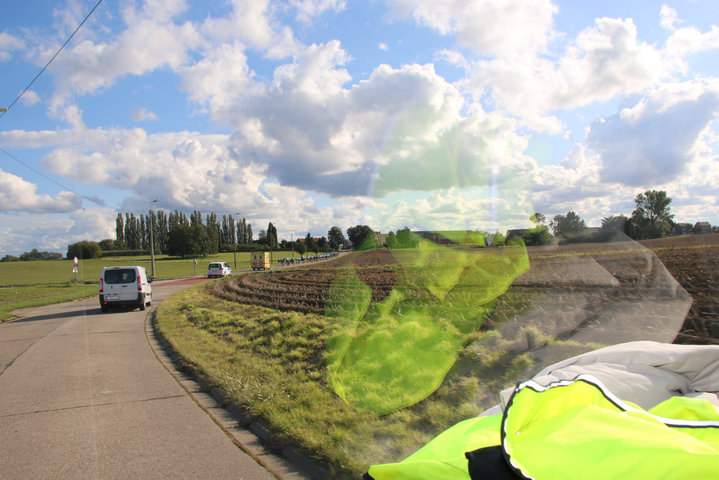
396 352
23 297
49 272
38 283
273 365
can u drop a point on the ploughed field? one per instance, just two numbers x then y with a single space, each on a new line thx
692 260
694 263
305 289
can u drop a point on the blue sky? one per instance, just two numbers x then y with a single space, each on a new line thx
314 113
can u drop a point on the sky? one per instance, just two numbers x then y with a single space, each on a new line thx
310 114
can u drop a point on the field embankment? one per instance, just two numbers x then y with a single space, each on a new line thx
263 338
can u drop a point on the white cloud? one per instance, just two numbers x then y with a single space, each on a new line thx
310 131
315 72
54 232
454 57
471 208
307 10
255 25
8 45
120 159
30 98
308 134
669 18
524 73
218 80
437 149
187 171
91 224
686 41
18 195
694 194
88 169
494 27
652 142
150 41
142 114
603 61
314 134
574 184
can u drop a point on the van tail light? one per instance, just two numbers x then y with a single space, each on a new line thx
101 285
139 284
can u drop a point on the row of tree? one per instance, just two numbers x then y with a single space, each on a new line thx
32 255
133 232
652 218
176 234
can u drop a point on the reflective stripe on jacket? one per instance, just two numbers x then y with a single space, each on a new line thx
572 429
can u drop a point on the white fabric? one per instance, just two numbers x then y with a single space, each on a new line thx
645 373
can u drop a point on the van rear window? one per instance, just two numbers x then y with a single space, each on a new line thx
124 275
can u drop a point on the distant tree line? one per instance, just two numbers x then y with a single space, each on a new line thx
32 255
652 218
176 234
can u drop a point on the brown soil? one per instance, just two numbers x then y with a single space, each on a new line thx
697 270
305 289
692 260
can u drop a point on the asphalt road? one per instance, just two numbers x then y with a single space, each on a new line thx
83 395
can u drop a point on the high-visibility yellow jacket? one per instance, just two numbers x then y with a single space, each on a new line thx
572 429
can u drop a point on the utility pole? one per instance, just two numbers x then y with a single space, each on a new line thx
152 242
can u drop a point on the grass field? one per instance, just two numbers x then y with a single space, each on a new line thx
273 362
37 283
24 297
55 272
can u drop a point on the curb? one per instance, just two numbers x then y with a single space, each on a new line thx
282 461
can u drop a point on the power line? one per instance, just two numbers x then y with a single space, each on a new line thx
94 200
5 110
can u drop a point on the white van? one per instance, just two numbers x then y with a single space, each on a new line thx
124 286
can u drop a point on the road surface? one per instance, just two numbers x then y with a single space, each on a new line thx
83 395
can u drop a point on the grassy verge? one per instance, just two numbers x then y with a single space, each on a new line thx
272 365
59 272
38 283
24 297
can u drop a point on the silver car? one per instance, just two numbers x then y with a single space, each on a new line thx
218 269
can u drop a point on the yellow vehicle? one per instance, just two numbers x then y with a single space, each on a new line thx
261 260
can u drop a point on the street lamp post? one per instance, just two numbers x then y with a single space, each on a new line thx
234 244
152 242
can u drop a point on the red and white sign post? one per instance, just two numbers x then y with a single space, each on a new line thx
74 268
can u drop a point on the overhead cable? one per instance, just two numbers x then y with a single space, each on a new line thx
5 110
